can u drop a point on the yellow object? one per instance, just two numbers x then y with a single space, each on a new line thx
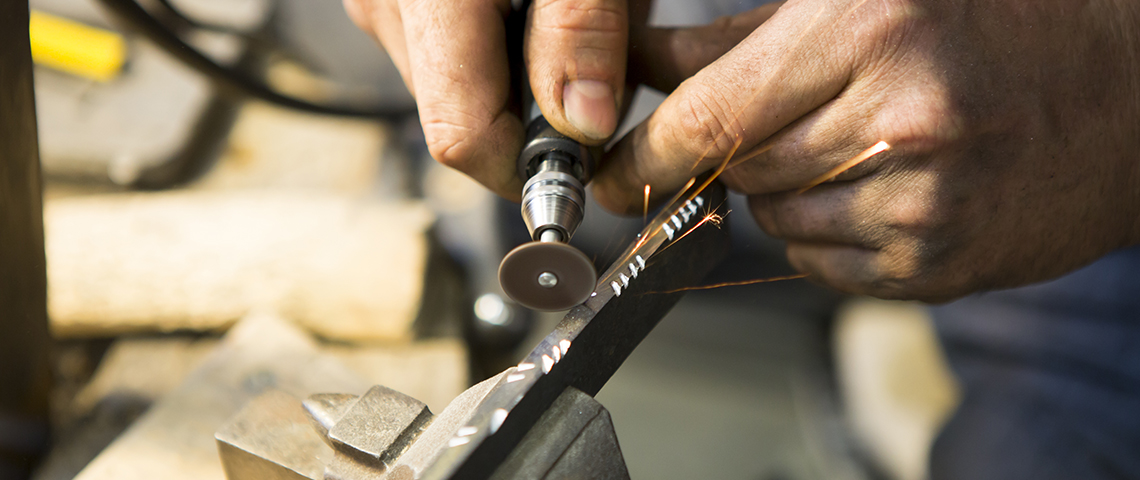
76 48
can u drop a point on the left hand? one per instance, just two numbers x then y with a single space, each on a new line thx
1014 130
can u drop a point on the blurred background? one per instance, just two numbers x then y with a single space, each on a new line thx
220 219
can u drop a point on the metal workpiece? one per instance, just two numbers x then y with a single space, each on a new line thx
534 420
375 429
267 440
331 436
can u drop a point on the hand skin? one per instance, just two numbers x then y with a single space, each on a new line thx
1014 128
452 55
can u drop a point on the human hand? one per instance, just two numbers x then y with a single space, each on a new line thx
452 55
1014 130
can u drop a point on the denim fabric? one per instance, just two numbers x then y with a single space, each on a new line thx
1051 377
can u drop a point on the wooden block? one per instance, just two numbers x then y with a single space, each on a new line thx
280 148
144 369
432 371
344 268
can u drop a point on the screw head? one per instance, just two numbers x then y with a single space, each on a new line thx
547 279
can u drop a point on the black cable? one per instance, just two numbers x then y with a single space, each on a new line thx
177 13
137 17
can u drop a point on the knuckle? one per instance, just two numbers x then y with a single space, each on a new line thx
914 269
738 180
923 120
894 24
765 215
705 123
917 205
911 213
451 133
596 16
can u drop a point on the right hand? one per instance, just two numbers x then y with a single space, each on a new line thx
452 54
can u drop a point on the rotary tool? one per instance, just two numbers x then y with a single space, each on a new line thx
547 273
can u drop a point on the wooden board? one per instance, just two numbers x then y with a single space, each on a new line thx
345 268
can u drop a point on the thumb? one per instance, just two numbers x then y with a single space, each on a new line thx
786 68
576 59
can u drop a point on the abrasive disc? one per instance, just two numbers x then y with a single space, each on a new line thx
547 276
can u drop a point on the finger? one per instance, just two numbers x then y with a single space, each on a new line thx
662 58
859 133
848 214
381 20
832 143
893 273
786 68
458 63
846 268
576 60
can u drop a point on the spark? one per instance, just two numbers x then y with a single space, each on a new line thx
719 170
663 214
712 218
645 207
843 167
750 155
734 284
716 219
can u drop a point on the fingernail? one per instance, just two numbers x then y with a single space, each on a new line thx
590 108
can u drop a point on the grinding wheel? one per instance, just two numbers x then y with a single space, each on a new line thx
547 276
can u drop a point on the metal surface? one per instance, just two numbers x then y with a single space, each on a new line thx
378 427
674 251
25 376
264 441
271 439
553 199
575 438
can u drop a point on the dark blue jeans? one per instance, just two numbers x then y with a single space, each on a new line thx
1051 378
